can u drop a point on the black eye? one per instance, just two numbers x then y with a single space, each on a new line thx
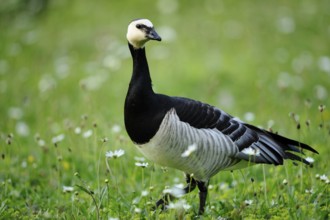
139 26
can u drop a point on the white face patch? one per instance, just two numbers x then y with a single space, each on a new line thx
136 37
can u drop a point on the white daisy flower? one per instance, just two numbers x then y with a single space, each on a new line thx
181 204
142 164
68 188
41 143
115 154
186 206
58 138
190 149
174 191
144 193
136 200
248 202
309 191
77 130
251 151
140 159
137 210
116 129
310 160
324 178
87 133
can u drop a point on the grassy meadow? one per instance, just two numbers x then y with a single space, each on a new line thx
64 73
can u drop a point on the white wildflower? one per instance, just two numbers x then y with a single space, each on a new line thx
190 149
176 192
15 113
273 202
324 178
68 188
181 204
137 210
77 130
249 116
285 24
309 191
270 123
115 154
179 185
251 151
24 164
248 202
87 133
321 108
144 193
136 200
22 129
223 186
116 129
58 138
285 181
142 164
41 143
310 160
140 159
186 206
324 63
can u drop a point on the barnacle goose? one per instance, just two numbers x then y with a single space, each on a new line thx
163 127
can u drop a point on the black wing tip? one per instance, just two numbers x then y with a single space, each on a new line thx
307 147
295 157
292 143
280 147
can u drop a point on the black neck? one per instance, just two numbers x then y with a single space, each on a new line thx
141 77
140 101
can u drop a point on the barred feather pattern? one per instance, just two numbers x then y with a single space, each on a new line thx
215 151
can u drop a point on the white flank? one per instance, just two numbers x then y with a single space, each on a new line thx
169 148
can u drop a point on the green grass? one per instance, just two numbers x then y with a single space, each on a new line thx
68 68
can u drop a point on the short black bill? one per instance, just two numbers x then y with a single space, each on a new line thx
152 35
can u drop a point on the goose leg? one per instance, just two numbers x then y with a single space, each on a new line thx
191 185
202 186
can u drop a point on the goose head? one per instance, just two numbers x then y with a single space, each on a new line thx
140 31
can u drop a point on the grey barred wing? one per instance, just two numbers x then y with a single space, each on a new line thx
254 144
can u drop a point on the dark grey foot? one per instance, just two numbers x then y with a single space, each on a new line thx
202 186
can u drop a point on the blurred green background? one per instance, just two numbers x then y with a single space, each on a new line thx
65 69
